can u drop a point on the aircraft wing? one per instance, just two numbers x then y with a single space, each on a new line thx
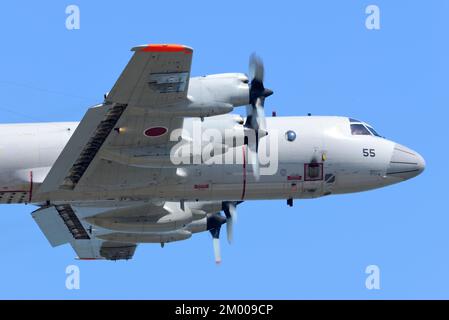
156 75
97 157
64 223
111 230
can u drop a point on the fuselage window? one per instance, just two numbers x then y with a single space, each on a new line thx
290 135
359 129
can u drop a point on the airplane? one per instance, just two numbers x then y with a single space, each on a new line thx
121 177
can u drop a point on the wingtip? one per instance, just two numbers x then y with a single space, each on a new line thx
163 48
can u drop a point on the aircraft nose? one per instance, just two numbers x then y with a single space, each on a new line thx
405 163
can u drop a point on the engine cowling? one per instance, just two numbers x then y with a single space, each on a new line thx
144 219
156 237
209 222
230 88
209 95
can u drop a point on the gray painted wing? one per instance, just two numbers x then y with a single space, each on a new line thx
156 77
154 69
63 224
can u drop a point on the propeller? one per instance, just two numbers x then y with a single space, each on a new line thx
255 119
216 220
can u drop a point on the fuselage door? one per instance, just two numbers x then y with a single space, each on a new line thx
313 179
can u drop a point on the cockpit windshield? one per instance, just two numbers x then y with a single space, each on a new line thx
373 131
359 129
362 128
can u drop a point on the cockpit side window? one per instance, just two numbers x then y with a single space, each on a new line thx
373 131
359 129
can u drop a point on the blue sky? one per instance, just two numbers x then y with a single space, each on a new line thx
319 58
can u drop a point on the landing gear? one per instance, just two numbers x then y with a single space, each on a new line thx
290 202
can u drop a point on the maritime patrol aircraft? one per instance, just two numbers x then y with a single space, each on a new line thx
163 157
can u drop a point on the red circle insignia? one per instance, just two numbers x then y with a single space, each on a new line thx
155 131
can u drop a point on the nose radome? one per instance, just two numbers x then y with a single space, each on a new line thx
405 163
421 163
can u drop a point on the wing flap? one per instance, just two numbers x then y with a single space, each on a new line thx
60 224
93 145
52 226
73 149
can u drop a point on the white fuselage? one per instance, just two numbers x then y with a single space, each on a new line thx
324 158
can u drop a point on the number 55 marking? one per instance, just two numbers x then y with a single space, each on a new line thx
369 153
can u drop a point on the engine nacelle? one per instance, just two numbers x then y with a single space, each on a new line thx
208 96
144 218
197 226
156 237
209 222
225 131
228 88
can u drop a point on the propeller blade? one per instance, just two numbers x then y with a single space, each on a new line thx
216 242
217 253
214 223
230 212
256 68
230 230
255 119
233 211
260 115
253 149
